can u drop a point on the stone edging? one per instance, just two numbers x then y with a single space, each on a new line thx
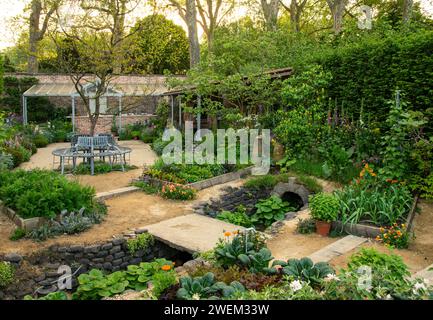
116 193
26 224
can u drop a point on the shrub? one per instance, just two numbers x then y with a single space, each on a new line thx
141 242
239 217
324 207
390 266
138 277
7 274
19 154
178 192
18 234
262 182
270 210
306 226
41 193
6 161
40 141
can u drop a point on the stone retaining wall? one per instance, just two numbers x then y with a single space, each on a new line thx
82 123
38 274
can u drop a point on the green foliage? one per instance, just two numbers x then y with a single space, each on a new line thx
7 274
100 167
139 276
310 183
306 226
40 141
270 210
59 295
95 285
159 46
304 269
6 161
246 252
140 242
18 234
146 187
40 193
324 207
205 287
238 217
370 199
390 266
261 182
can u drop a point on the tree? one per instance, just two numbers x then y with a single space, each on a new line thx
295 10
91 44
188 12
212 14
337 8
270 13
159 45
41 12
114 13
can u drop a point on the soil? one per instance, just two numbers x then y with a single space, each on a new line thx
419 255
289 244
126 213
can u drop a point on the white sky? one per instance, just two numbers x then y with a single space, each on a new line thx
12 8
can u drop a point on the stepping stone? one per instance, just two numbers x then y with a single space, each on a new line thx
191 233
425 274
115 193
337 248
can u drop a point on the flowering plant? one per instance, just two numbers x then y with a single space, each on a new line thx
394 236
178 192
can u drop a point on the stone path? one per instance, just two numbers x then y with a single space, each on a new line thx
337 248
426 274
191 233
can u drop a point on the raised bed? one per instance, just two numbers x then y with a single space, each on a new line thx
26 224
200 185
363 230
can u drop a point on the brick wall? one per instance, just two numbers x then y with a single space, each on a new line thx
82 124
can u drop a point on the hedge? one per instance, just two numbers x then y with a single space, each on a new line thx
374 68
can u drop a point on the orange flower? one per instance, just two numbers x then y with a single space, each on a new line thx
227 233
166 267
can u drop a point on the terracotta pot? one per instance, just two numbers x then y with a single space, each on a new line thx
323 228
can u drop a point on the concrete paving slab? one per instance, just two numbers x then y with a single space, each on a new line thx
191 233
116 193
337 248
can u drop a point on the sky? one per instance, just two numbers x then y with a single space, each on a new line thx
12 8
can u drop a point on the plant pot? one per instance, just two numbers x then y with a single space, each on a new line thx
323 228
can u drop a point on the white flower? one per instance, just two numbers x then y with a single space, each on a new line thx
296 285
388 297
418 286
195 296
331 277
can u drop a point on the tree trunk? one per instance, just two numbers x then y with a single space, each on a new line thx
337 10
191 21
270 13
118 34
34 36
407 10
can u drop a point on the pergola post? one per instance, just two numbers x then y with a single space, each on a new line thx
172 110
180 112
199 117
25 119
73 113
120 114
